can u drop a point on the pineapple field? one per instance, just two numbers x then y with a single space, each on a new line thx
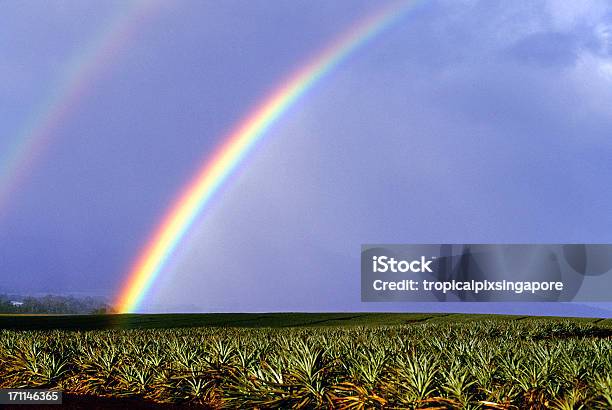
360 362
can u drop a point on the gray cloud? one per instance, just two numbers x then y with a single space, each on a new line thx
408 143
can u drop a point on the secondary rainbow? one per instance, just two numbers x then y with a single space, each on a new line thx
239 142
63 99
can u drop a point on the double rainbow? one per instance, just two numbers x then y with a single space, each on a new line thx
240 141
63 100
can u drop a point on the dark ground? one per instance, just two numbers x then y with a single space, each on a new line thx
254 320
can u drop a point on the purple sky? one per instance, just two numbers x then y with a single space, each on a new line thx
469 121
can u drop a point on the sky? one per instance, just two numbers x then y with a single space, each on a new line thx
464 122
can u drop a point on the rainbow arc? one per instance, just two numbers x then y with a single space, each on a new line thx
219 166
64 99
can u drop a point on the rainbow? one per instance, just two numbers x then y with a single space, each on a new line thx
217 168
63 100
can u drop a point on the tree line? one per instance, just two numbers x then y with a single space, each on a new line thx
53 304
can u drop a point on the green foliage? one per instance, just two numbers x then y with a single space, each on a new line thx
53 304
471 364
